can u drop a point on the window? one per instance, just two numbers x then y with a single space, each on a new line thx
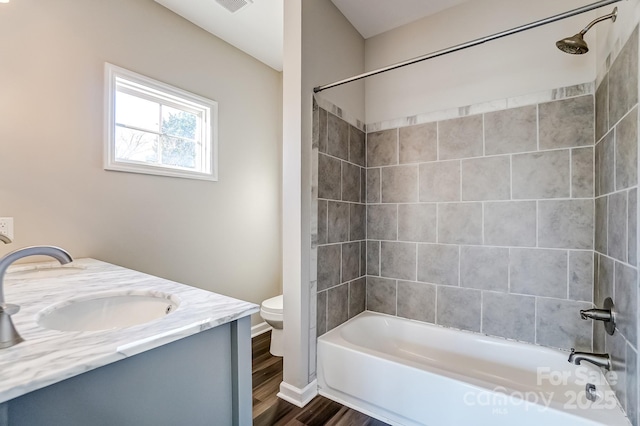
154 128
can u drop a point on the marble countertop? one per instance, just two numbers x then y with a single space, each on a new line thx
50 356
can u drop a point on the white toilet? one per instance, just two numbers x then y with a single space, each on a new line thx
271 312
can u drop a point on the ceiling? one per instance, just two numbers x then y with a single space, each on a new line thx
371 18
257 29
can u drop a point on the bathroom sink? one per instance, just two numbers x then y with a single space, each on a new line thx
107 311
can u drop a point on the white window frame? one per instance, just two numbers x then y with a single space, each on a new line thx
167 95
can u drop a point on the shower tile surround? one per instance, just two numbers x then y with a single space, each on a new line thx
339 240
522 219
483 222
616 188
489 227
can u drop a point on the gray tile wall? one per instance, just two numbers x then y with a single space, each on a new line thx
616 183
486 222
341 218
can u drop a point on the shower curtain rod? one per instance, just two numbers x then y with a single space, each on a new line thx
565 15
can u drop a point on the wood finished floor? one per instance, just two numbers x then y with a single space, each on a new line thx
269 410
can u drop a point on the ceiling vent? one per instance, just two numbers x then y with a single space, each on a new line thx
234 5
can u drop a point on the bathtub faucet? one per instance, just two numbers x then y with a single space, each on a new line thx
8 333
600 360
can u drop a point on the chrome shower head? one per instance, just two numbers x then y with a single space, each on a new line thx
575 45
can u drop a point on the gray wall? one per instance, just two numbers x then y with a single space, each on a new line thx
616 190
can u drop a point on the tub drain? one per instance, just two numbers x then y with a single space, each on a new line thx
590 392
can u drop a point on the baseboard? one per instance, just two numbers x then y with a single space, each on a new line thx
297 396
258 329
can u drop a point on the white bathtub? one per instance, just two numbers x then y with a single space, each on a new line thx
409 373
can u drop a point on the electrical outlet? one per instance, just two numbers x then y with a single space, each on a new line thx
6 226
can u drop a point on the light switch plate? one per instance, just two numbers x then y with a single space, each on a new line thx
6 226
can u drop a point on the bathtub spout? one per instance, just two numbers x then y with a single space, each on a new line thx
599 360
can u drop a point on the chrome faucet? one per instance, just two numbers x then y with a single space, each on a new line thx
599 360
5 239
8 334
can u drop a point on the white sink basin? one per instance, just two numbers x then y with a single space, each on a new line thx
107 311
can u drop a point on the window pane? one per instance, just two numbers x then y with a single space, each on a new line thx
178 152
137 112
179 123
133 145
158 129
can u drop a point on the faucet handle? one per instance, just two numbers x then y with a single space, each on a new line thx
607 315
596 314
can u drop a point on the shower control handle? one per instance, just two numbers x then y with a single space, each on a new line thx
596 314
606 315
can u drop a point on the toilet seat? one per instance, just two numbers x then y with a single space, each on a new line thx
273 305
